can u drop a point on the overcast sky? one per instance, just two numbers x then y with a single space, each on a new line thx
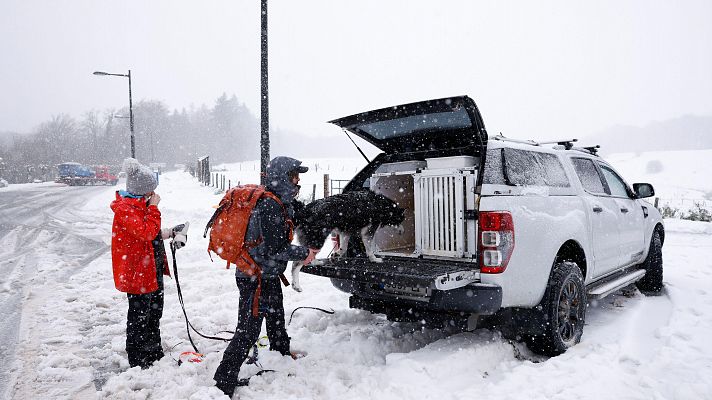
536 69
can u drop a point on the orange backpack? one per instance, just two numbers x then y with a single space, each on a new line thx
228 227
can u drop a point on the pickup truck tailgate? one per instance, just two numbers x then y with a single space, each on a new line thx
434 274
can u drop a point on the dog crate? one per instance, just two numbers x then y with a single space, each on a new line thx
389 240
437 197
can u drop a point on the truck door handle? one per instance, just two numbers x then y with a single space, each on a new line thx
624 210
597 209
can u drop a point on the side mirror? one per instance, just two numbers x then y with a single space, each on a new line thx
643 190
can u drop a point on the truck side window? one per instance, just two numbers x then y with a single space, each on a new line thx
588 175
615 183
531 168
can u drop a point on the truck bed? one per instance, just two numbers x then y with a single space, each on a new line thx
399 271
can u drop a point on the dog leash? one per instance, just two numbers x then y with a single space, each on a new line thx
188 326
197 356
330 311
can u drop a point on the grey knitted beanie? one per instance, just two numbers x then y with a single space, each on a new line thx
139 178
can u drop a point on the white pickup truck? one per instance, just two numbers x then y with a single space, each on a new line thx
513 233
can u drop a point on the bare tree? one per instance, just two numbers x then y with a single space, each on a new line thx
91 126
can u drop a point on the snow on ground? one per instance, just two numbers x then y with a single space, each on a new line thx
680 178
634 347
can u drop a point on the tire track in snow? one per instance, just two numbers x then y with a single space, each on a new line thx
641 339
40 248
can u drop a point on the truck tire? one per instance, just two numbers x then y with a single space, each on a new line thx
563 309
652 281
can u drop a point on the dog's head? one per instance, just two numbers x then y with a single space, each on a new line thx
392 214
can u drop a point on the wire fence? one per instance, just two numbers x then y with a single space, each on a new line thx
679 202
222 183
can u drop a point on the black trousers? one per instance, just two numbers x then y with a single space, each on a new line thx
271 308
143 332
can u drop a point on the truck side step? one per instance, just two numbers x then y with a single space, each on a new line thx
603 289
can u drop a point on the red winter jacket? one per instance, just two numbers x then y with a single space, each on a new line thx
135 226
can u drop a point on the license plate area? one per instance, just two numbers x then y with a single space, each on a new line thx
404 292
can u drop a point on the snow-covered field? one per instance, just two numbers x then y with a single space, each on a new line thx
634 347
680 178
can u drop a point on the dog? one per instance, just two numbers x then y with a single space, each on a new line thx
347 214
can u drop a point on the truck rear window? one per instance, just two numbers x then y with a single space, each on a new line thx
443 121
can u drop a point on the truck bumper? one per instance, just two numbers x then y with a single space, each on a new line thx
472 299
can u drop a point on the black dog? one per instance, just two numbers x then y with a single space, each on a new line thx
348 214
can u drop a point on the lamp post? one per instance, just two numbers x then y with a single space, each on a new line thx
264 140
131 120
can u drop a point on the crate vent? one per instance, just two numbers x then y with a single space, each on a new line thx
441 215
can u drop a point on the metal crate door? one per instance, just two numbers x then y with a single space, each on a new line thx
439 202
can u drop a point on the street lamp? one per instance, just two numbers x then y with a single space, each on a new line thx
131 120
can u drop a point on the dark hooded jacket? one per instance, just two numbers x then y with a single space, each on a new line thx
268 221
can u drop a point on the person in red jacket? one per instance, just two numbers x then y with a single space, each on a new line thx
139 261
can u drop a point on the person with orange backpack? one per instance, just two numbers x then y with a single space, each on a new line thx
259 273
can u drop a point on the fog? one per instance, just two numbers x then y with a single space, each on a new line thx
536 69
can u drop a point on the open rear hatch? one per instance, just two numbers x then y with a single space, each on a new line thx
441 124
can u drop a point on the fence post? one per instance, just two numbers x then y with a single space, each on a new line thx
657 200
229 184
326 185
313 192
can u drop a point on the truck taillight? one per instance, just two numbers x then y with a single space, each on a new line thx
496 241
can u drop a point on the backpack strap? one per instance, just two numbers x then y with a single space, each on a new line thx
211 222
258 293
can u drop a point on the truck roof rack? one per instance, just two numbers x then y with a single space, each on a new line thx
593 150
567 143
506 139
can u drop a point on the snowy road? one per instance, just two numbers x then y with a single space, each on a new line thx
43 242
72 329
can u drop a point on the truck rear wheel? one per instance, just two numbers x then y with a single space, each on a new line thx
652 281
563 309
